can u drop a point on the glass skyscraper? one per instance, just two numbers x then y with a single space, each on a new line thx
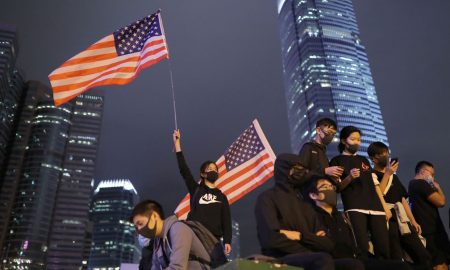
113 238
11 87
326 71
44 210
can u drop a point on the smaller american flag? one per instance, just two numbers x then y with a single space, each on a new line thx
245 165
115 59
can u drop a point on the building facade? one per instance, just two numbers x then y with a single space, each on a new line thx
114 238
11 88
46 194
326 71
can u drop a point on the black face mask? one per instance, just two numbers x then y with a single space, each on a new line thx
298 176
330 197
352 148
327 138
146 231
212 176
382 161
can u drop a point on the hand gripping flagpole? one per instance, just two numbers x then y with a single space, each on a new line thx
170 72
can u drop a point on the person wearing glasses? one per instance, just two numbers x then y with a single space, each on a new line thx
321 193
313 154
426 197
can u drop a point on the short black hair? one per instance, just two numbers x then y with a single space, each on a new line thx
205 165
326 122
146 208
344 134
422 164
311 187
377 148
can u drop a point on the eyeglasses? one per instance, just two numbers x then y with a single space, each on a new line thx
329 131
326 187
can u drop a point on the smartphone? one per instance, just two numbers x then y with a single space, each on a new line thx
394 160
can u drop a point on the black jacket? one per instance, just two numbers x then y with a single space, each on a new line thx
281 207
340 231
313 155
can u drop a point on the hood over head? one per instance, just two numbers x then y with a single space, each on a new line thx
282 170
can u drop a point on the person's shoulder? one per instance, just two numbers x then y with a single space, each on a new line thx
362 158
179 227
337 158
416 184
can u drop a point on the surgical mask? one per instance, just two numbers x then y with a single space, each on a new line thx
146 231
212 176
330 197
352 148
143 241
327 138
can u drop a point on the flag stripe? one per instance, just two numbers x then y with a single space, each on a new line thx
64 96
94 58
108 74
82 66
246 191
242 179
245 170
115 59
70 80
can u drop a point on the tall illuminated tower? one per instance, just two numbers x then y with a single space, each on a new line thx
113 238
326 70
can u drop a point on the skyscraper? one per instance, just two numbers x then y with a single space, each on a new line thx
48 181
326 70
113 238
11 85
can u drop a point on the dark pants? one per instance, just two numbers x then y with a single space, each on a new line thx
439 247
310 260
348 264
372 264
376 225
409 243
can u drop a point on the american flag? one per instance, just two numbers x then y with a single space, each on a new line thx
115 59
244 166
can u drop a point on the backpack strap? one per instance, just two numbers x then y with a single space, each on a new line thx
192 257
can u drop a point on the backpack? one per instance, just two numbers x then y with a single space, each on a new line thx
211 244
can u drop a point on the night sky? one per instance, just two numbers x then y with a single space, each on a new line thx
227 70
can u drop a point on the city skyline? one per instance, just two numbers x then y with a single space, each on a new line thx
48 181
326 72
211 75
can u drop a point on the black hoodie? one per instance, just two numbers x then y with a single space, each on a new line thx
283 208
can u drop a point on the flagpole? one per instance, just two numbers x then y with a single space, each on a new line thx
170 70
173 95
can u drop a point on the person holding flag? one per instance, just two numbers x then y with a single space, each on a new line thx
208 204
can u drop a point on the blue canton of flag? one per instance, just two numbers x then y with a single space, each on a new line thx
247 146
131 38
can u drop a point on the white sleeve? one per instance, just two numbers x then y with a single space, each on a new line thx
375 179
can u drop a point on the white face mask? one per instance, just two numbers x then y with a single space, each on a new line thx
143 241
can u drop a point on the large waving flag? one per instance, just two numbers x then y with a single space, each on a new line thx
115 59
245 165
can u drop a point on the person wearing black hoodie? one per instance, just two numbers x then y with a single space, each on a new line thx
288 227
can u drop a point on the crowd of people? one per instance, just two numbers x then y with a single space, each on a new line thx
382 225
